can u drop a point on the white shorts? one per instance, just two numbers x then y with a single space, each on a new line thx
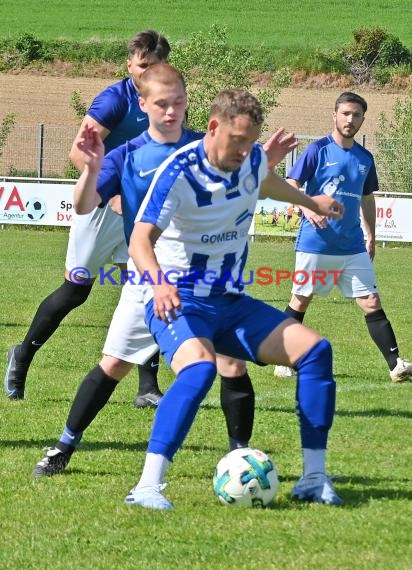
317 274
128 337
96 239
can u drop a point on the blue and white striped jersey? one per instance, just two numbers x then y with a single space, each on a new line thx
205 215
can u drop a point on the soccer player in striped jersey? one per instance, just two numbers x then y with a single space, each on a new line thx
190 241
128 171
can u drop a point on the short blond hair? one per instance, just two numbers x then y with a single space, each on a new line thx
161 73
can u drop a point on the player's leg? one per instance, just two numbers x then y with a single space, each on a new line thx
268 336
311 356
89 248
47 319
313 274
128 343
360 282
93 394
187 347
237 399
148 391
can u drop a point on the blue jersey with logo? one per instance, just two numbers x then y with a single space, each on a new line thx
205 214
117 108
129 169
347 174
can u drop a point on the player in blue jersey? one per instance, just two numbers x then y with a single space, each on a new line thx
97 238
128 171
337 165
190 243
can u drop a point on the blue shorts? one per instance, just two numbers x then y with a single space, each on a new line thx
235 324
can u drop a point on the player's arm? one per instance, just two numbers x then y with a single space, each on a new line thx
90 149
141 249
369 220
317 221
75 154
277 188
278 146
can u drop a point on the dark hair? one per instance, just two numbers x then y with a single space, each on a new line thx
233 102
161 72
147 43
349 97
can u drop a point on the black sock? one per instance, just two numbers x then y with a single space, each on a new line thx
148 375
299 316
237 399
382 334
49 316
93 394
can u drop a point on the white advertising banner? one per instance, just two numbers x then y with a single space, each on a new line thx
36 203
393 219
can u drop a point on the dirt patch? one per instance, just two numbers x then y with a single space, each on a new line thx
45 99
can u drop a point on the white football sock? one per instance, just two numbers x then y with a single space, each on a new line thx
154 469
314 461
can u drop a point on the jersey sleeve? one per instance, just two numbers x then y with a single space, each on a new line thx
305 166
110 176
371 182
109 107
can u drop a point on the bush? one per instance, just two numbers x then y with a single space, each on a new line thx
210 65
29 47
372 51
5 127
394 148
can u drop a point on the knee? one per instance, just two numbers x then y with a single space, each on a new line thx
115 368
231 367
300 303
369 304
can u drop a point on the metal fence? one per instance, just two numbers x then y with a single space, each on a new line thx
42 151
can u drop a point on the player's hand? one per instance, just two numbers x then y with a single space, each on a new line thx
370 248
329 207
278 146
91 147
316 221
166 301
115 204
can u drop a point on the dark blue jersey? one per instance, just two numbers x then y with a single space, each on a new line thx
347 174
117 109
128 170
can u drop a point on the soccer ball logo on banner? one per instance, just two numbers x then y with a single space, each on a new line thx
35 209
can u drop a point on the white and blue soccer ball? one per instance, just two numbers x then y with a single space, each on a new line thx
35 209
246 477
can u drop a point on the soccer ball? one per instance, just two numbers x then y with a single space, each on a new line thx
246 477
35 209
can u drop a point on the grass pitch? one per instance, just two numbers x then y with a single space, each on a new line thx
79 520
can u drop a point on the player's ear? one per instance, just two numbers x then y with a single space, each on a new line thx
212 125
142 103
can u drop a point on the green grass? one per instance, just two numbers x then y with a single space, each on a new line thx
78 520
278 25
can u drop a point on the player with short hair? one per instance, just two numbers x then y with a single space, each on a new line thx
128 171
96 238
206 190
336 165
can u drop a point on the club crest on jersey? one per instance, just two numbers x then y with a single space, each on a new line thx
362 169
249 184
